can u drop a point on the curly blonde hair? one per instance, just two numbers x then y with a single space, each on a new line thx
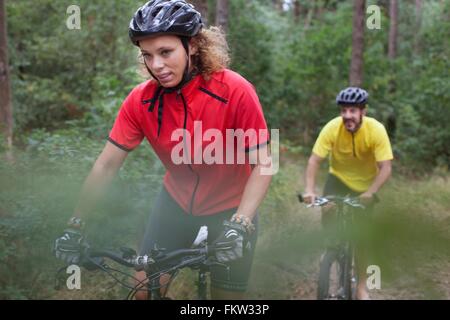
212 53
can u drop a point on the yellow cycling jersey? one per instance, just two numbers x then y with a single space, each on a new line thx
354 156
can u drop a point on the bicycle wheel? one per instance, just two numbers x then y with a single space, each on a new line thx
328 265
346 262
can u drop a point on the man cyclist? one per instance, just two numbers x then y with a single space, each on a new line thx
360 157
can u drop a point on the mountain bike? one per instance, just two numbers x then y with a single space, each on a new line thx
338 259
155 264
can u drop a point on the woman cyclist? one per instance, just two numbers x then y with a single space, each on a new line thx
190 94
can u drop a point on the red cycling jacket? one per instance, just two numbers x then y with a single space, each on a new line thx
226 101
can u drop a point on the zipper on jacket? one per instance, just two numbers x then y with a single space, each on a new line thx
353 144
191 205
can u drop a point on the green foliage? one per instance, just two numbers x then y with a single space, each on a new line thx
315 68
68 85
297 67
38 193
253 41
423 105
59 73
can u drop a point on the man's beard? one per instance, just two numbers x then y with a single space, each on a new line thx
357 125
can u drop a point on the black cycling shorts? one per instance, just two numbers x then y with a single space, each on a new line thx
335 187
170 227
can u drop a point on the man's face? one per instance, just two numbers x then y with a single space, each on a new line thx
352 117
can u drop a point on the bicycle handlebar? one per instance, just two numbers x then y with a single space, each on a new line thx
321 201
157 262
177 258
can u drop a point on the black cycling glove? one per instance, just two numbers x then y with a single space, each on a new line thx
69 245
229 246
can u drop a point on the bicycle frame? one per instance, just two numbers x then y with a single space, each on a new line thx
342 253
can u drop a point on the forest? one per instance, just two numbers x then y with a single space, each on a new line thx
67 66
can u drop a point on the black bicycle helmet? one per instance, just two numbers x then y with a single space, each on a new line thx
165 17
352 96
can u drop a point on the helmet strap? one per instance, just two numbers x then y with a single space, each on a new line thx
187 76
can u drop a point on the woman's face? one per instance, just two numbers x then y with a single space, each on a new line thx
166 58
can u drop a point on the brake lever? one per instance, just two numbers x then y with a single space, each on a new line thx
354 203
318 203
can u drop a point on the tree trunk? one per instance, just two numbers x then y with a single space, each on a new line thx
393 39
418 26
393 29
6 119
356 66
321 8
298 10
309 17
222 14
391 121
202 7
